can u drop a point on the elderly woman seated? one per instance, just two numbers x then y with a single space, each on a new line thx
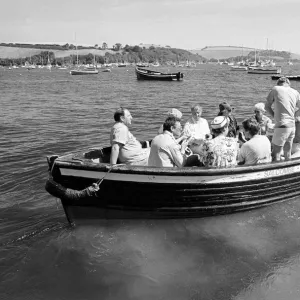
196 128
220 152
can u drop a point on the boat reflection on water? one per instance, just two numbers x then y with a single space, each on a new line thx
249 255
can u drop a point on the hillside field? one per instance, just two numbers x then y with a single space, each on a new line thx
15 52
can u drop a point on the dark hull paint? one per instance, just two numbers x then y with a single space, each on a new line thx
144 74
84 72
142 192
290 77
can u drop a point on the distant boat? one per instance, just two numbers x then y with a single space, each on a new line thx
106 70
290 77
85 71
238 68
144 74
264 70
122 65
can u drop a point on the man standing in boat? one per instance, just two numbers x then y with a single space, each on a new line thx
125 148
285 100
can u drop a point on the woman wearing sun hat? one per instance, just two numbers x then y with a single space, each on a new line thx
220 152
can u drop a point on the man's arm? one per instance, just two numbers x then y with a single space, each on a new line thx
268 104
115 149
178 155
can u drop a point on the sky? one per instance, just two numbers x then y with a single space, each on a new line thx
186 24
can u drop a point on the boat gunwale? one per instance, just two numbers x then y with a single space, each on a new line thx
73 162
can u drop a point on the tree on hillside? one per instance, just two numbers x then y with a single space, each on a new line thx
117 46
104 46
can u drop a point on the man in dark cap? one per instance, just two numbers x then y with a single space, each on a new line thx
285 100
226 111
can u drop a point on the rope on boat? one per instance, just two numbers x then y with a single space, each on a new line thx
59 191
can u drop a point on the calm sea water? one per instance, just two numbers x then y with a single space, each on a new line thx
250 255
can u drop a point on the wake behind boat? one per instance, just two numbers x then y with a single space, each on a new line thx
90 188
145 74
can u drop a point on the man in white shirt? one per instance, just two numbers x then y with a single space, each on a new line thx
285 100
257 149
124 146
165 151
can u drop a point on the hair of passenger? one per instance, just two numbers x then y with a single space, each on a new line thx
251 125
283 80
193 108
169 122
218 131
119 113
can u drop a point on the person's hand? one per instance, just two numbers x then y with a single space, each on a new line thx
184 145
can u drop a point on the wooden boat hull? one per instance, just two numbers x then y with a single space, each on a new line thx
290 77
264 70
145 192
84 72
144 74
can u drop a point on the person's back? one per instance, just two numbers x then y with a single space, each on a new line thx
220 152
159 153
256 151
165 151
285 99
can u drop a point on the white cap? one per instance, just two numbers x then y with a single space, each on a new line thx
218 122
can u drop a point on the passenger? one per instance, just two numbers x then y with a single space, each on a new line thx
221 151
226 110
196 127
285 100
165 151
125 147
177 114
172 112
257 149
296 142
262 120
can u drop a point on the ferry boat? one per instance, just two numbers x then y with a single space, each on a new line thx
90 188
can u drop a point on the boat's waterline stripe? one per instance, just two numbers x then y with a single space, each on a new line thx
180 179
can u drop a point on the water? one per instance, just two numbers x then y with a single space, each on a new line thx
249 255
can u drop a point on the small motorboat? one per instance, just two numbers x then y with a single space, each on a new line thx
106 70
87 71
91 188
145 74
264 70
290 77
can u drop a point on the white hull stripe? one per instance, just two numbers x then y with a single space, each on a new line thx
181 179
